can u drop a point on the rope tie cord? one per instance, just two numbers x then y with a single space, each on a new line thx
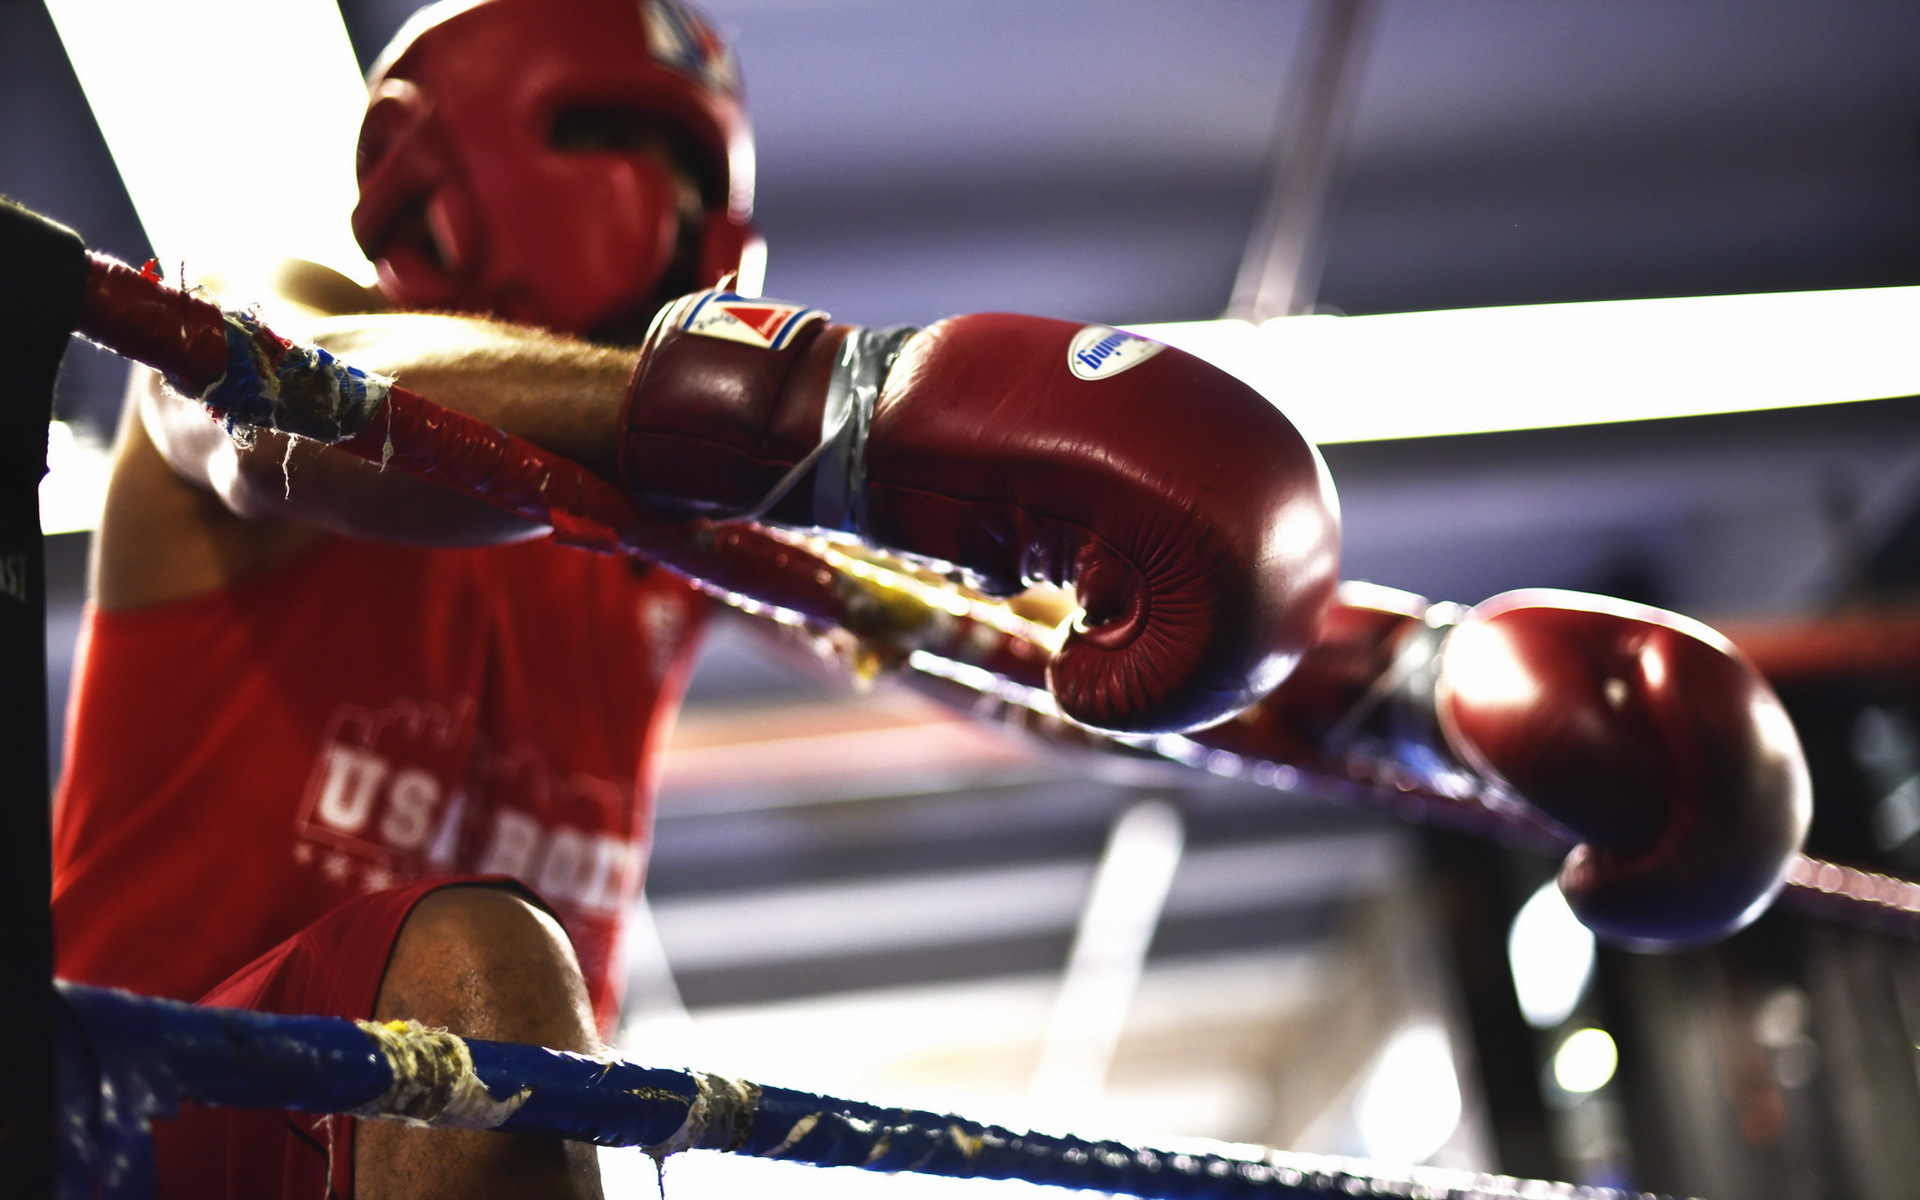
433 1080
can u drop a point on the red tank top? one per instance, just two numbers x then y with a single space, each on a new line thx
240 762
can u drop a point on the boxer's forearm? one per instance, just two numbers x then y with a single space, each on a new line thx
557 392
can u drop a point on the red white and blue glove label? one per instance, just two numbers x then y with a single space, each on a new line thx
769 324
1101 352
679 39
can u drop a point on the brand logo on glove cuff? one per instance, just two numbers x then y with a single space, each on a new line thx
679 39
766 323
1101 352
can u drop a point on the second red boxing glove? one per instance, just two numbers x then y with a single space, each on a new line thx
1649 737
1197 526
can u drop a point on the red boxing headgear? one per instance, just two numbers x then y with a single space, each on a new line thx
469 202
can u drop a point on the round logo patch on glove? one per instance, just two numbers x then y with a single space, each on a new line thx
1101 352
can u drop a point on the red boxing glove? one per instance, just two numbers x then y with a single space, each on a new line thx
1198 528
1649 737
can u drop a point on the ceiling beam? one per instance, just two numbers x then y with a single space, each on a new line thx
1280 272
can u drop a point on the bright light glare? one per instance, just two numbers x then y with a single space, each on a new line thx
75 485
1409 1104
1551 954
1483 669
1585 1061
232 122
1479 370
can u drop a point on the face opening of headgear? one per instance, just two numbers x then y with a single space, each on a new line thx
566 163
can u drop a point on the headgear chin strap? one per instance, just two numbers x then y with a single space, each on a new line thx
470 202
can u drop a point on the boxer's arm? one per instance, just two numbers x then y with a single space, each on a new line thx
190 510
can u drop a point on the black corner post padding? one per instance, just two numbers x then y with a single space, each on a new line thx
43 271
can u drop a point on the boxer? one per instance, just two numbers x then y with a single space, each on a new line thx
346 743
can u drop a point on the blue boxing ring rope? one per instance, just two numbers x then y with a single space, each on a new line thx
126 1060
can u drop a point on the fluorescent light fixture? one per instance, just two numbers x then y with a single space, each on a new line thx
233 124
1551 954
1482 370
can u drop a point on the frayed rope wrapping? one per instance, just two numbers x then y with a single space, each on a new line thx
433 1080
301 390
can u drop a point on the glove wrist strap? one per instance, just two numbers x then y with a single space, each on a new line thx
840 483
839 460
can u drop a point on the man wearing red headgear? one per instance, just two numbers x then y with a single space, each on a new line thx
275 722
312 694
568 166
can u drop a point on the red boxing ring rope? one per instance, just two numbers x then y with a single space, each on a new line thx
136 315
